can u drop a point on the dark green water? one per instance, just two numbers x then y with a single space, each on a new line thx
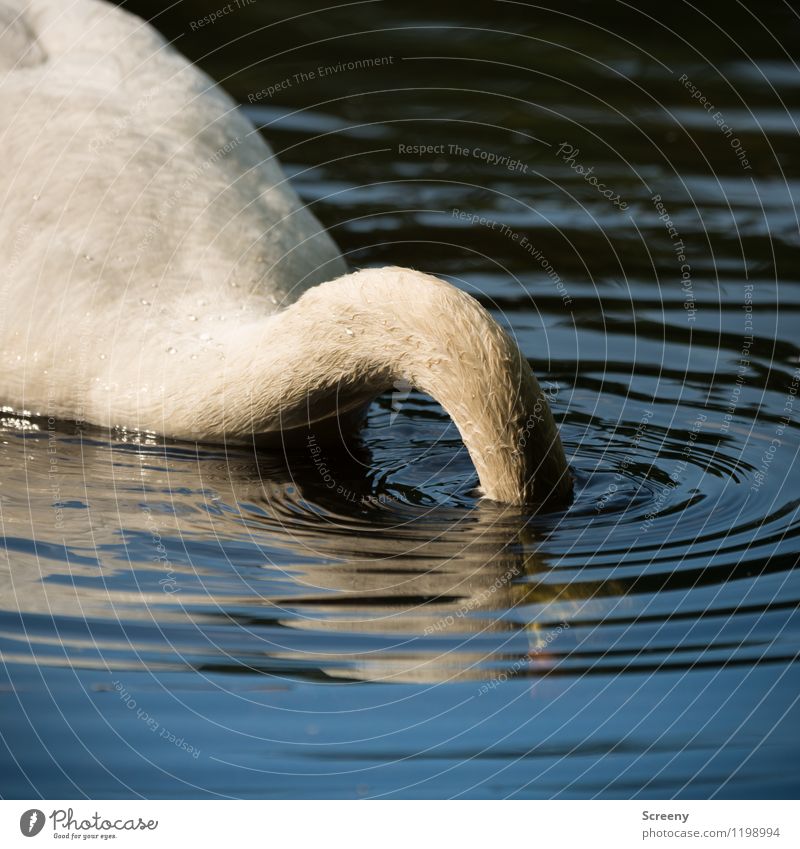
211 623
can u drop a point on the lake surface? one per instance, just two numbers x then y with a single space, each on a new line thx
179 621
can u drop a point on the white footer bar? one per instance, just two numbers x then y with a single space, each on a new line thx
401 824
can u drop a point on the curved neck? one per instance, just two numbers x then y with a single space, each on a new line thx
346 341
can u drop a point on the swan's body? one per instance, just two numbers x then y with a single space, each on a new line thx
158 272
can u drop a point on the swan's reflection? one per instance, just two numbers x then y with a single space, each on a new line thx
451 622
240 563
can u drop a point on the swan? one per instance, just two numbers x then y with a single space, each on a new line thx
159 273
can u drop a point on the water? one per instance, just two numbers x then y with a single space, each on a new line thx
186 622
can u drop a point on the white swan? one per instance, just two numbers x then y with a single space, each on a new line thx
157 271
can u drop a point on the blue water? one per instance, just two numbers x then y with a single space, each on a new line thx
183 621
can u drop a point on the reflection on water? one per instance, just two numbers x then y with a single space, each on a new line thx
345 621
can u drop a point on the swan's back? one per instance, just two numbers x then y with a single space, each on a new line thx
19 47
129 179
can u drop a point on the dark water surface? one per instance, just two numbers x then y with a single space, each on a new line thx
181 622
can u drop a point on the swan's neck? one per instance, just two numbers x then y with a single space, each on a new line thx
346 341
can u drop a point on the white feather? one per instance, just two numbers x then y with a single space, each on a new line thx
158 271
